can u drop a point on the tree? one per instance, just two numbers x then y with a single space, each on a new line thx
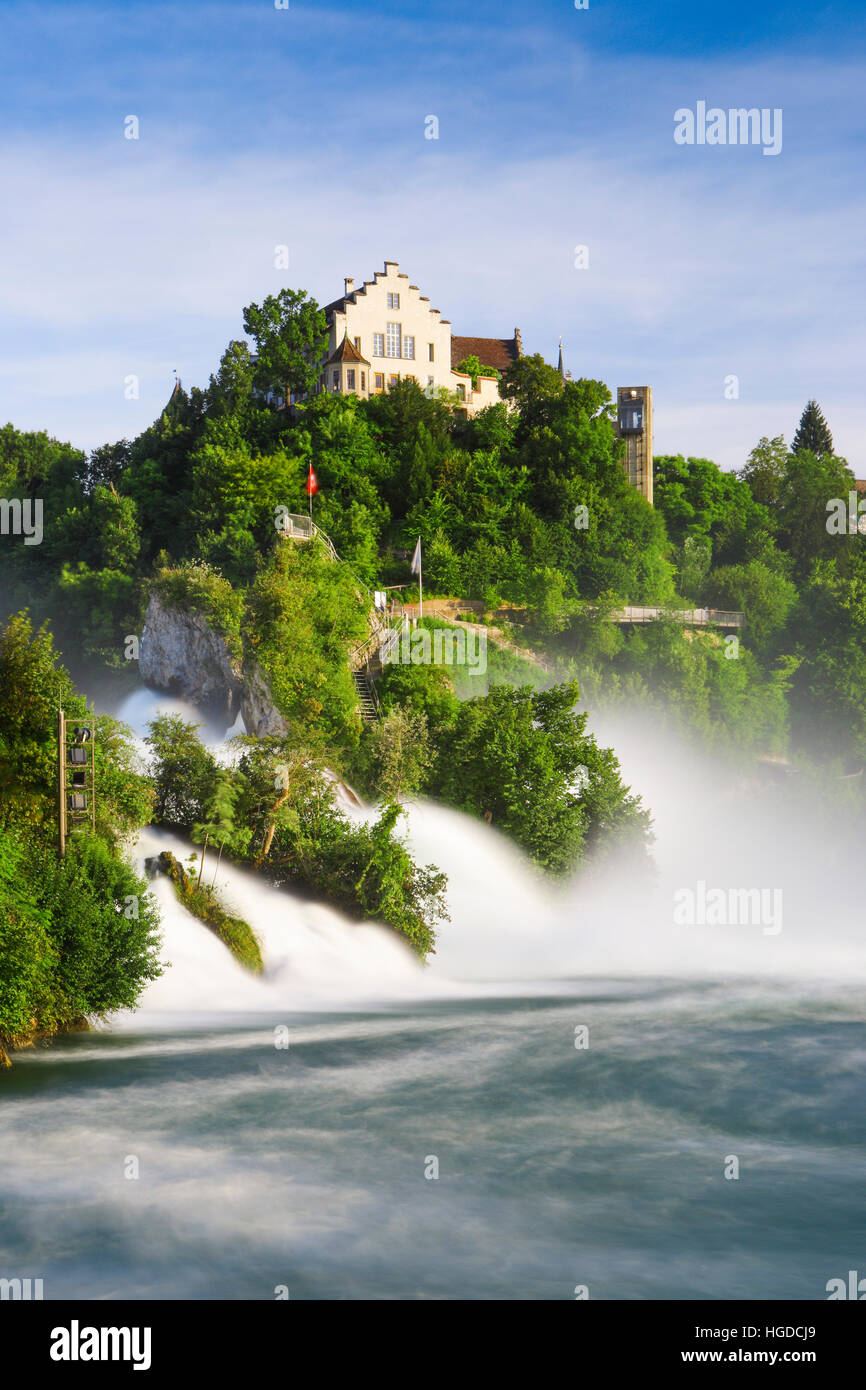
291 334
402 752
184 773
525 762
532 384
813 432
474 369
764 470
232 386
765 596
219 825
811 481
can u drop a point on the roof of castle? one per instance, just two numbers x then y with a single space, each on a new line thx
346 352
491 352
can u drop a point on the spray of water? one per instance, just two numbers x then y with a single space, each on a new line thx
512 931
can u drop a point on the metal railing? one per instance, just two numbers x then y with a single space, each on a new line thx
693 617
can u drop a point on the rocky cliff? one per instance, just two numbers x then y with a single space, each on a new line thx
182 654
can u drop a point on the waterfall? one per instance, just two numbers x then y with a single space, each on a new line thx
512 930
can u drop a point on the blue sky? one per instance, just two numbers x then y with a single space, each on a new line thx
305 127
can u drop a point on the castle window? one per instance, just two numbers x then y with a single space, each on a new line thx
335 377
408 346
363 381
378 344
392 340
392 380
380 381
461 391
431 356
350 380
357 344
393 301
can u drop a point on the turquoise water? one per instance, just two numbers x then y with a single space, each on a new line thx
305 1166
182 1154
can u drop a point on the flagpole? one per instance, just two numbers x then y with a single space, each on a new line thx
420 589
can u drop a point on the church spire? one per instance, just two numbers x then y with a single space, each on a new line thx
559 364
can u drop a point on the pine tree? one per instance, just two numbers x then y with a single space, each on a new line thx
813 432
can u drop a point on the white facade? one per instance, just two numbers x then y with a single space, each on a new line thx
395 330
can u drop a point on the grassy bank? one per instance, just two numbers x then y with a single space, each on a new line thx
203 903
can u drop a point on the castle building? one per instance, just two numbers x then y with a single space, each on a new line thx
386 330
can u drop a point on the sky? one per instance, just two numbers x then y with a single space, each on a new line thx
304 127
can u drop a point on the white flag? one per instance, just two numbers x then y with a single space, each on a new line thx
416 559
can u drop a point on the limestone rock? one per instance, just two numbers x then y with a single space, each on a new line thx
181 654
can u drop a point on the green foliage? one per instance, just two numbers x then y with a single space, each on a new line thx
102 606
32 686
290 334
764 470
524 761
813 433
202 902
810 482
829 711
201 588
401 752
693 679
78 937
235 496
700 501
184 774
765 596
284 818
303 614
473 368
368 866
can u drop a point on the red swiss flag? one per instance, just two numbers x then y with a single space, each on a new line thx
312 483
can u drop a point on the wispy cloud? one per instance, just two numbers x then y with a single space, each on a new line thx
137 257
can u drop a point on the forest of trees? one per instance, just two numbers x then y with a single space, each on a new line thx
525 509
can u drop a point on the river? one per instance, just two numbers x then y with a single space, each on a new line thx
578 1093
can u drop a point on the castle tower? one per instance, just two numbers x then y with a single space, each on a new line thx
634 424
346 371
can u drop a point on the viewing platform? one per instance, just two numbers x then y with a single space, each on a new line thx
691 617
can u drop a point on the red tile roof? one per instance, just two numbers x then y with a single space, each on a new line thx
491 352
346 352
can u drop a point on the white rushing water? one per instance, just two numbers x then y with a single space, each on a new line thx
510 930
301 1164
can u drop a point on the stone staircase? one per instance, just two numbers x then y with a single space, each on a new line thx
368 702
